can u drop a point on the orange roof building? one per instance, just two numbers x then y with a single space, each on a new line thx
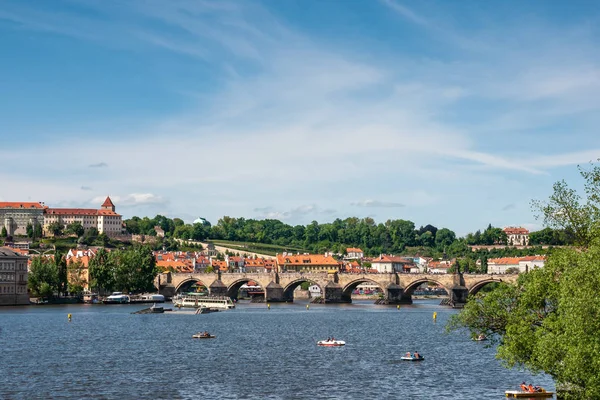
16 215
306 263
105 219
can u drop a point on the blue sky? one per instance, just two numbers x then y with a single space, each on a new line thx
450 113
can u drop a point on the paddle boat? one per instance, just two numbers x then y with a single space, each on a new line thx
203 335
411 357
529 392
331 343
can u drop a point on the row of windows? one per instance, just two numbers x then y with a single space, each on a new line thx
11 266
7 277
6 289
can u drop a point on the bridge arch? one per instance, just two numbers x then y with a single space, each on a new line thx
412 286
349 288
234 287
288 290
473 290
186 284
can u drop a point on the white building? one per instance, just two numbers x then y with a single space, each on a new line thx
516 236
354 253
390 264
105 219
516 264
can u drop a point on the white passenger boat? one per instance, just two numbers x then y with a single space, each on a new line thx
117 298
154 298
197 300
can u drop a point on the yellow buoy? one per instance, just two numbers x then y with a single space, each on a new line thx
434 315
398 306
268 306
307 306
69 316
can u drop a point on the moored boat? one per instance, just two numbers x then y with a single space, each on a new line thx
331 343
196 300
117 298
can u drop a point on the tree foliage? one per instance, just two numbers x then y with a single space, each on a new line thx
548 322
43 278
131 270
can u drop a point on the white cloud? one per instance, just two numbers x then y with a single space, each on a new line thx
133 199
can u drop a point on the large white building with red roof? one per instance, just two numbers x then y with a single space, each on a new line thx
16 215
104 219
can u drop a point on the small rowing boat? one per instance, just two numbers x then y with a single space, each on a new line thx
528 395
331 343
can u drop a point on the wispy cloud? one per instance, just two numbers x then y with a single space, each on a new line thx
509 207
298 212
376 203
98 165
87 188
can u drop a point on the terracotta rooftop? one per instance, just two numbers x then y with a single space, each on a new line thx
17 204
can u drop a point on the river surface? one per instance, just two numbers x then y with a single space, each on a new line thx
106 352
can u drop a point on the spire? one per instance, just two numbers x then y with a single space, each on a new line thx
108 204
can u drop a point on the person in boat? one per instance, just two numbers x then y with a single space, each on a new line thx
408 354
417 354
533 389
524 387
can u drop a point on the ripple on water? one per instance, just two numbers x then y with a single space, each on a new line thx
108 353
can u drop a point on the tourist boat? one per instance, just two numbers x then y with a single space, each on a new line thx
331 343
117 298
528 395
152 298
196 300
412 358
201 335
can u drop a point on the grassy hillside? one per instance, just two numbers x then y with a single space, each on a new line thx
261 248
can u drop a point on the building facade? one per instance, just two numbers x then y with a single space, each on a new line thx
105 219
516 236
390 264
15 216
13 278
306 263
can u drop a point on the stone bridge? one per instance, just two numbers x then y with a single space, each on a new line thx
335 287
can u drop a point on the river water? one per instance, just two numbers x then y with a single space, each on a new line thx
106 352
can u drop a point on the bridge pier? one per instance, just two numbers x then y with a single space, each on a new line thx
217 288
395 294
458 296
274 293
334 293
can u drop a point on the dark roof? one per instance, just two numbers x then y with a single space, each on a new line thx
8 252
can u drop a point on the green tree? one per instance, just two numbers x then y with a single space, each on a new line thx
29 230
56 228
444 237
43 278
76 277
76 229
60 263
4 233
102 272
37 231
565 209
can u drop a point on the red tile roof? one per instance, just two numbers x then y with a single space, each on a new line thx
108 202
17 204
353 250
511 230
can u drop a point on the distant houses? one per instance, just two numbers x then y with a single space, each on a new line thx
516 236
514 264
